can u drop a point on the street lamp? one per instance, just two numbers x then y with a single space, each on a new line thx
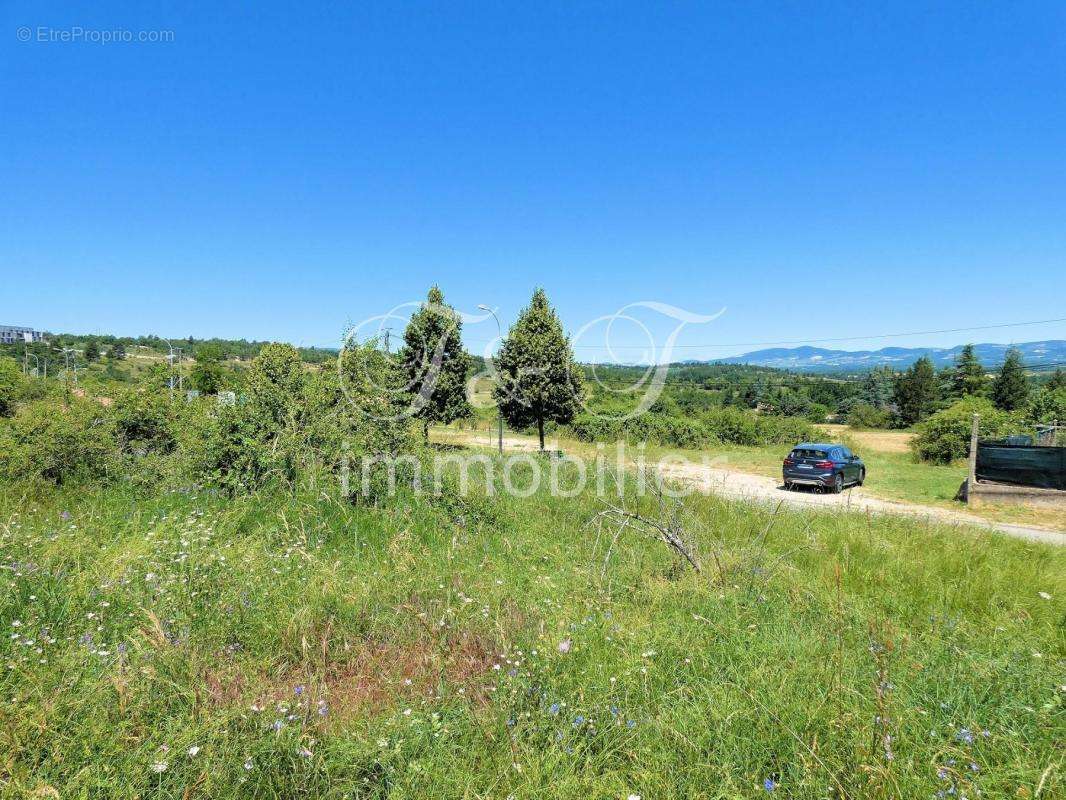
499 411
69 360
170 358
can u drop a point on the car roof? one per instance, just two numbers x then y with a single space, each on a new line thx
815 446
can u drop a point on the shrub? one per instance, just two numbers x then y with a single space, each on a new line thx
56 442
784 430
817 412
733 425
945 436
652 428
864 415
10 385
146 420
1048 405
725 424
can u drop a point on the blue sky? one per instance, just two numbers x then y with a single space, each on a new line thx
274 172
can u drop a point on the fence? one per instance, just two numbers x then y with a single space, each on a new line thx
1022 465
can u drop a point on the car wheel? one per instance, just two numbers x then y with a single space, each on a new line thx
862 477
838 484
789 486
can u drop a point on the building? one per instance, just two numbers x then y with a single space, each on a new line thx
16 334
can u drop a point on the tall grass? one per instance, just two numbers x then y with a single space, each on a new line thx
294 645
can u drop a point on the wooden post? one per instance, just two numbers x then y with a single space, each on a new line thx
971 481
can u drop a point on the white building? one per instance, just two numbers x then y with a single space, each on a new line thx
15 334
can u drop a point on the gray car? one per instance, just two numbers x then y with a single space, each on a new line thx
828 466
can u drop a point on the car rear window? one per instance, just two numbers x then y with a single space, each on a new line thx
807 453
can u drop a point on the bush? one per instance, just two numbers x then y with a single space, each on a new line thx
726 424
650 428
784 430
146 420
863 415
10 385
945 436
56 442
733 425
816 412
1048 405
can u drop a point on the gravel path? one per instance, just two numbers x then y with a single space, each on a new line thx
757 488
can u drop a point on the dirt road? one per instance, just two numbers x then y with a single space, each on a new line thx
760 489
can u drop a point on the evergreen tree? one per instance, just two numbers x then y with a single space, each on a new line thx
92 351
538 380
968 377
118 351
1010 390
435 363
1058 380
917 391
877 387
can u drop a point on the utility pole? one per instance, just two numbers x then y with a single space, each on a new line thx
499 411
971 481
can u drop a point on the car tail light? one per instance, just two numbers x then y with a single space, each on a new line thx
789 462
823 464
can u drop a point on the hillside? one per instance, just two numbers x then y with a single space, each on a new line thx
818 359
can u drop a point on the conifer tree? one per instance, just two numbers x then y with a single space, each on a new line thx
1010 390
968 378
435 363
917 391
538 380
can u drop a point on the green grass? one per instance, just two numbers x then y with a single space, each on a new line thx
895 476
147 626
890 475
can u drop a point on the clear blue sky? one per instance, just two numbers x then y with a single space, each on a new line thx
275 172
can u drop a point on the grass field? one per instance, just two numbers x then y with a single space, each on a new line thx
893 473
188 645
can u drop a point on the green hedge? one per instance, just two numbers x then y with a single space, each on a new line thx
721 425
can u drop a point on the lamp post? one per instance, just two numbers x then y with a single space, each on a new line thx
69 360
499 411
170 359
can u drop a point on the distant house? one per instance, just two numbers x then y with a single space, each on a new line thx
16 334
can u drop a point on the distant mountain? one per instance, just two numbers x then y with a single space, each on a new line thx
818 359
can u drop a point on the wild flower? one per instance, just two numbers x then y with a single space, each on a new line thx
553 709
965 736
160 766
564 646
769 784
192 751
